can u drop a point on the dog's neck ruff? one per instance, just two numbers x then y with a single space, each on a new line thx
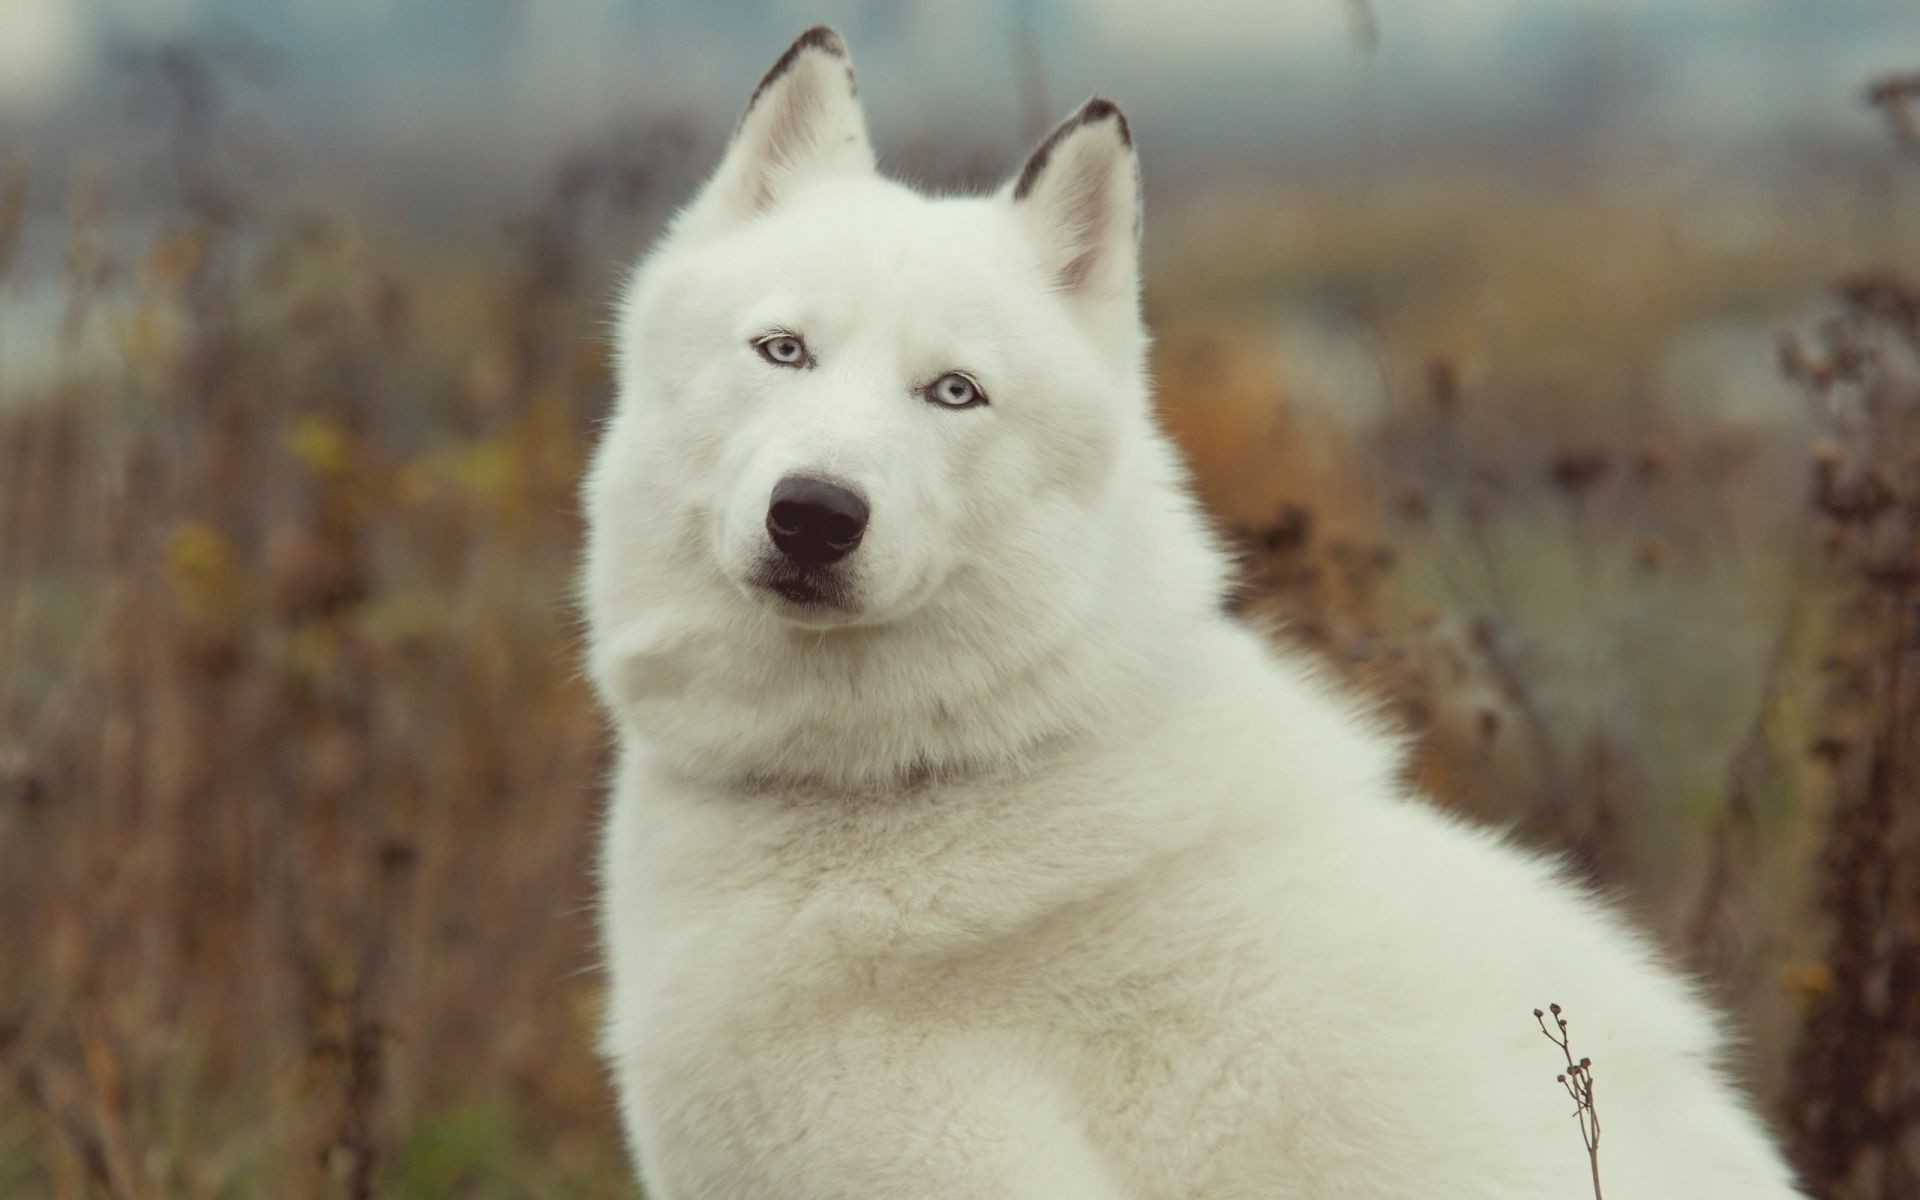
920 777
879 713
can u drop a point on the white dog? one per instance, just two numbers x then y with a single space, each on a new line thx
960 846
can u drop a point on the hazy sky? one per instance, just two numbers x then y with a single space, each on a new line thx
425 85
49 49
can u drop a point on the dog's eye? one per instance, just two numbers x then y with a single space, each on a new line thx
954 390
783 350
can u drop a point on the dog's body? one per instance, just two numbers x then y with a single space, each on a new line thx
959 846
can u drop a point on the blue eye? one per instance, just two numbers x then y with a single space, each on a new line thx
783 350
955 390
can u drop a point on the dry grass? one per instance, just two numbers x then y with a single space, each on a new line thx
297 779
1856 1094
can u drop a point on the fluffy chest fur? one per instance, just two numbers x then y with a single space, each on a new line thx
1207 957
1060 944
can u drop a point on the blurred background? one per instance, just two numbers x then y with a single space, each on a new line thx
1556 368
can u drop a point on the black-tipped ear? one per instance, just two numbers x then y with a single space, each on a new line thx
1080 192
802 122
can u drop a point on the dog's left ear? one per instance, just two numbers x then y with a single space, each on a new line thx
1080 194
803 122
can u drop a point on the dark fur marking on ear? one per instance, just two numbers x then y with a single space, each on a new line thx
1097 109
821 38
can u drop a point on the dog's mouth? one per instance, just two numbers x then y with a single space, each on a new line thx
811 593
796 590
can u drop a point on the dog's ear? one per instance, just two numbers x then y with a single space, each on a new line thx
803 122
1080 194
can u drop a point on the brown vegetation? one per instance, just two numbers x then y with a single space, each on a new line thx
1856 1073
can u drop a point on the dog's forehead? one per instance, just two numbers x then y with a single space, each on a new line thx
878 236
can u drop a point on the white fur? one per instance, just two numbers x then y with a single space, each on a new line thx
1026 873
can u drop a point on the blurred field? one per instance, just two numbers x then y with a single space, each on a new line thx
298 780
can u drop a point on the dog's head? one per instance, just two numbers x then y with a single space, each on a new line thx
846 407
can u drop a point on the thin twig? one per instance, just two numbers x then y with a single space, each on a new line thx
1578 1080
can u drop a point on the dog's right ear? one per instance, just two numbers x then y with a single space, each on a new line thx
803 122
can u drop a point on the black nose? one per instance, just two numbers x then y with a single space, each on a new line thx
815 522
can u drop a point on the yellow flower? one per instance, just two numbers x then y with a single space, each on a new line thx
1806 980
321 446
204 575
